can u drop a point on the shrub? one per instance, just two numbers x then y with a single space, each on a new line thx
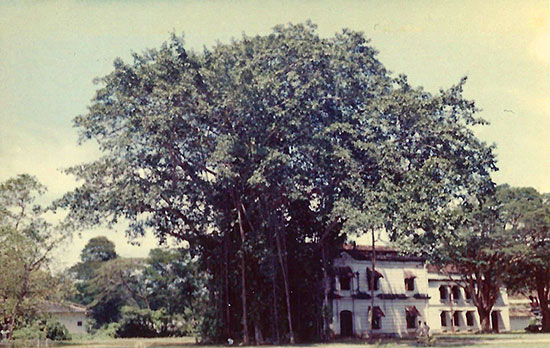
56 331
43 328
107 331
136 322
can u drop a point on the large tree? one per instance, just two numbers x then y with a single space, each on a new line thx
26 243
262 154
528 214
474 244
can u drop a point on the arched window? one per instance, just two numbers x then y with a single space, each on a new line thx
443 317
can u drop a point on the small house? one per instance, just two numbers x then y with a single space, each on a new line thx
73 316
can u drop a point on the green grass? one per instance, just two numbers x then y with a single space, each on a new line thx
507 340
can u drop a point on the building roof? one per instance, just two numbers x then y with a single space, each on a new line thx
383 253
448 269
67 307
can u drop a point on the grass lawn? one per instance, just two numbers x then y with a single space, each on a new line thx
511 340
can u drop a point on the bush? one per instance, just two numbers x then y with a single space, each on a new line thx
137 322
43 328
28 333
56 331
106 331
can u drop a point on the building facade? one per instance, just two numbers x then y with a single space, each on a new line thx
73 316
406 294
451 308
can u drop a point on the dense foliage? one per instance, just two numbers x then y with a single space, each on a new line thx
165 287
263 154
475 248
104 306
137 322
529 220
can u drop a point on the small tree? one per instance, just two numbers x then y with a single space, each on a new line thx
26 242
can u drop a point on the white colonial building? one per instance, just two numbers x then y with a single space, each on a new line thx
405 293
451 308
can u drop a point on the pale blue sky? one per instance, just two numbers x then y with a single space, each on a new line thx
51 50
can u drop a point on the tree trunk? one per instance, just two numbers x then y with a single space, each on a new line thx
326 286
484 319
275 307
372 282
543 292
285 281
246 339
258 335
545 318
226 285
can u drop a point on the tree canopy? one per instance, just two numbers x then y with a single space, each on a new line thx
529 221
264 153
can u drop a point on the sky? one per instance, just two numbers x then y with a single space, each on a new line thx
50 52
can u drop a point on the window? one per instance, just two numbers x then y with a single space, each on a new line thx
409 284
443 292
470 318
443 316
411 321
377 322
411 313
376 284
345 275
345 282
467 294
456 292
377 318
456 318
78 323
409 280
377 276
